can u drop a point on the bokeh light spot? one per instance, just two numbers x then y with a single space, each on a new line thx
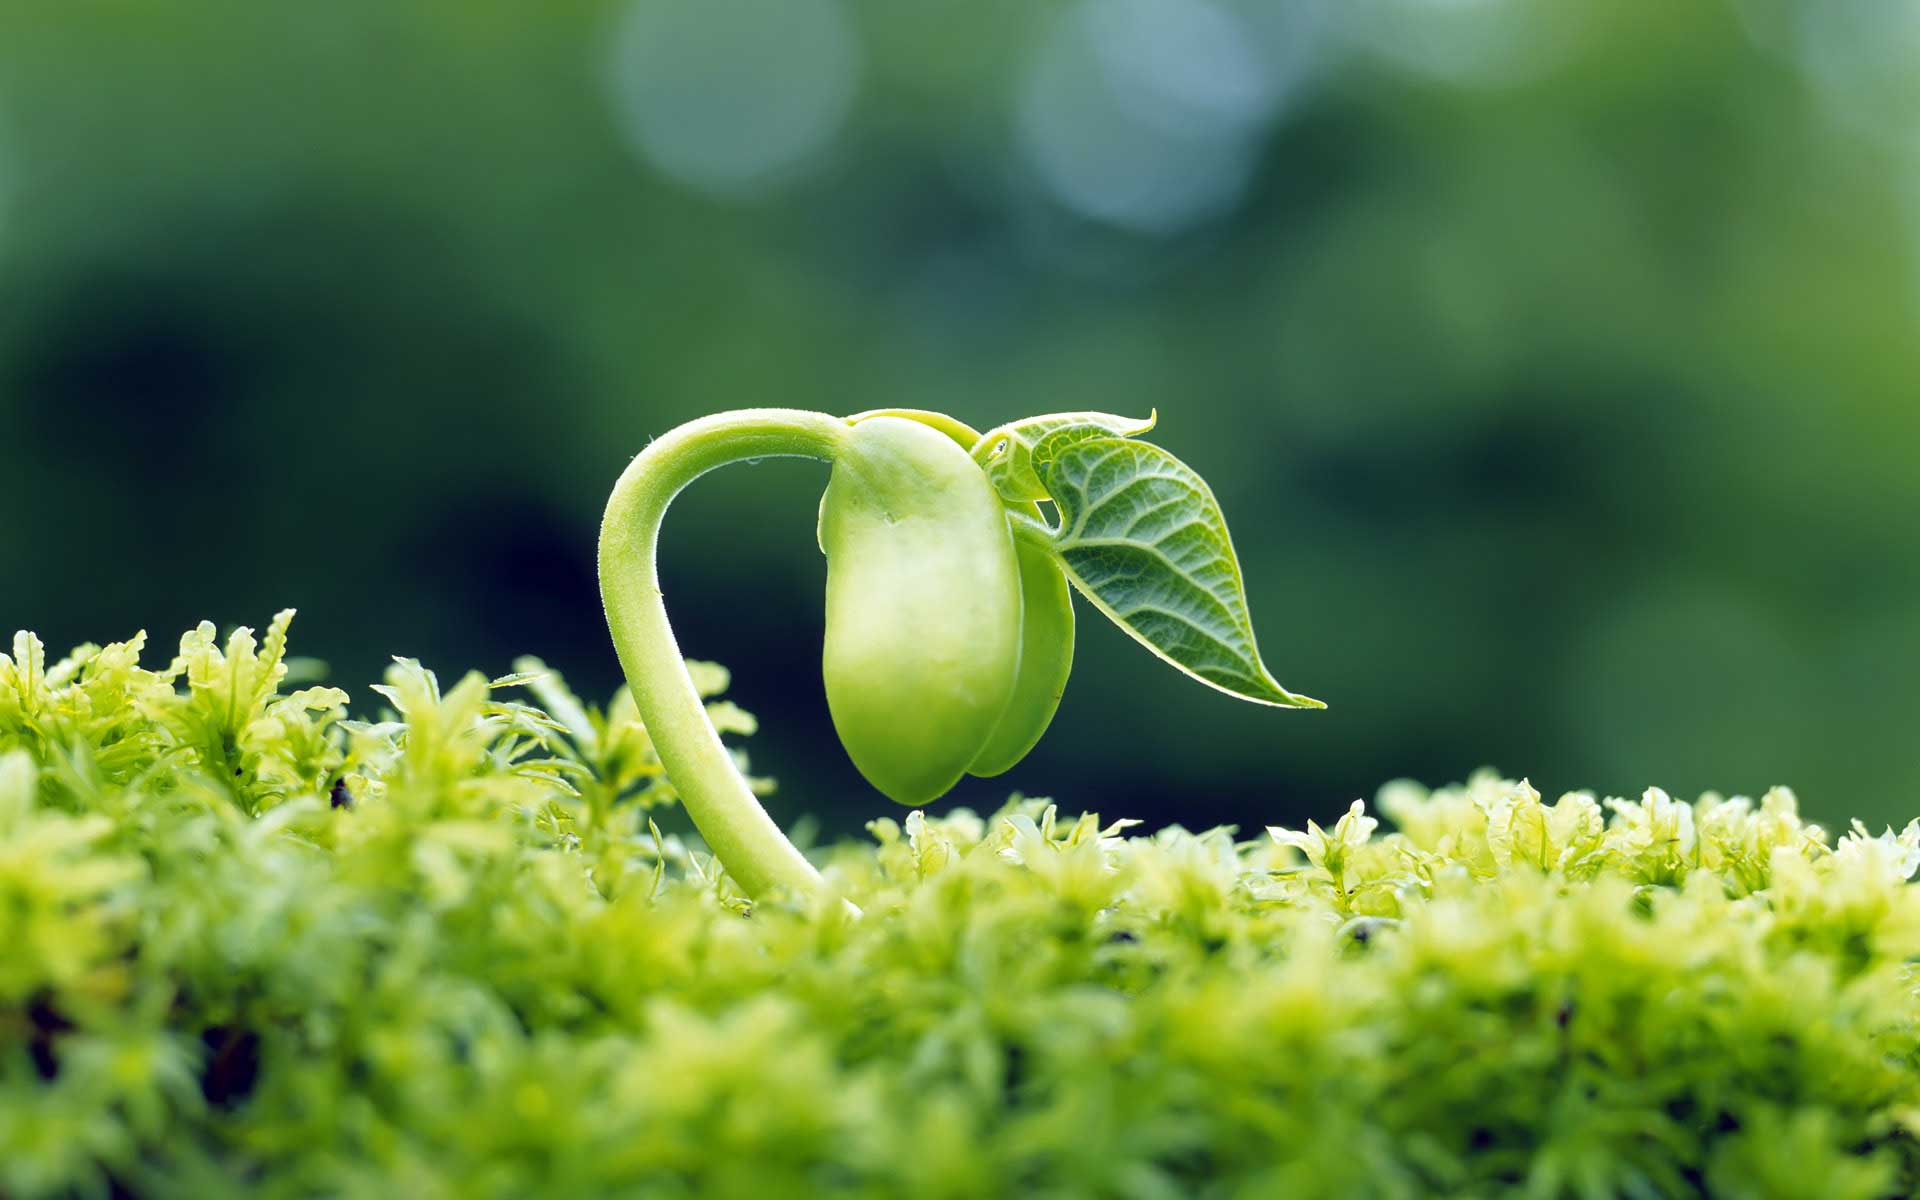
731 96
1188 66
1145 114
1864 58
1473 43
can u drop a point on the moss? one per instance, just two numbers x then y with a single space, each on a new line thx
248 946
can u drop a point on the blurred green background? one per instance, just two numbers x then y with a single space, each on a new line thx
1556 363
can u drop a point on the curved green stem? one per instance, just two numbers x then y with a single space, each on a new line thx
745 840
1031 527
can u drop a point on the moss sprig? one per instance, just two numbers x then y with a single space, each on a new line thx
249 946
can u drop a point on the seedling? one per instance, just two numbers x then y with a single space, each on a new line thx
949 612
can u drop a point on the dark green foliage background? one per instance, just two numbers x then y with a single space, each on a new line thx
1566 422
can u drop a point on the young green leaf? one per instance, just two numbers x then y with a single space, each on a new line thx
1143 538
1006 453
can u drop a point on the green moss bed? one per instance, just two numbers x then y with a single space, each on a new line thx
249 946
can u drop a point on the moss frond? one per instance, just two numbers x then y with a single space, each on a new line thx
249 946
